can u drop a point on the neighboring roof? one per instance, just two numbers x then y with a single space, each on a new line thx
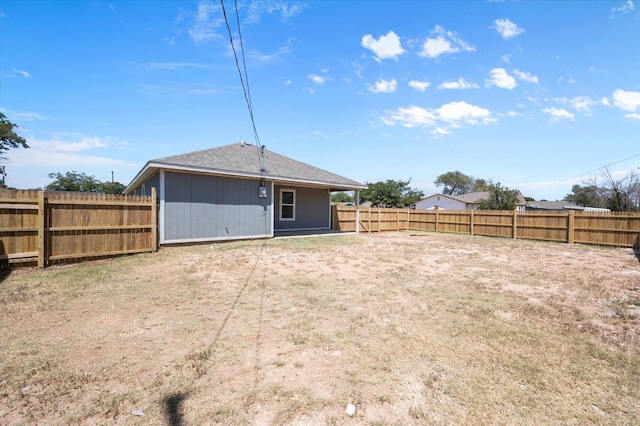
474 197
562 205
553 205
243 159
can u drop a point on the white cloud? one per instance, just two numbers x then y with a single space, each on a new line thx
263 57
174 66
507 29
443 43
579 103
27 116
412 116
582 103
633 116
285 9
386 47
506 58
317 79
512 114
463 112
500 78
605 102
207 18
558 114
89 154
440 120
384 86
439 131
420 86
626 100
525 76
461 83
626 7
21 72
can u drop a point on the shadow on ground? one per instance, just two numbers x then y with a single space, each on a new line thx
173 409
172 404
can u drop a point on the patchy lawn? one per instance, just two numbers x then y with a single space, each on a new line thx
410 328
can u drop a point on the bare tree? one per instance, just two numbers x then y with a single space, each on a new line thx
620 194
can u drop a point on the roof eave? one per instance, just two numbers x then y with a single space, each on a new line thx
151 167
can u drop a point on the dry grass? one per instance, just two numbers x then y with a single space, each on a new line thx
430 328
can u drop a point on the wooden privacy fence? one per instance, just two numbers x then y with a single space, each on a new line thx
620 230
43 228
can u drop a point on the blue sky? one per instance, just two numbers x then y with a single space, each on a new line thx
536 95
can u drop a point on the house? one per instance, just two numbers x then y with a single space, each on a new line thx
467 201
559 206
237 191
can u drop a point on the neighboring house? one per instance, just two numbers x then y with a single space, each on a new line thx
561 206
237 191
468 201
353 204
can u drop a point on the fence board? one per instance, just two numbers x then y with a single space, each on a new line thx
620 230
51 227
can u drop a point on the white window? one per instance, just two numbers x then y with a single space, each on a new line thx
287 204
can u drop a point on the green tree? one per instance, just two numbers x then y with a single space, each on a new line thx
111 187
480 185
586 196
391 193
8 139
500 198
454 183
341 197
74 181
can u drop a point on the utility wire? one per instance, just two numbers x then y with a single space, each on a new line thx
246 75
247 96
585 173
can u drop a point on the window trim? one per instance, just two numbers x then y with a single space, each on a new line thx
293 205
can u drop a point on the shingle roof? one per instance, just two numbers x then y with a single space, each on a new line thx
553 205
476 197
244 159
473 197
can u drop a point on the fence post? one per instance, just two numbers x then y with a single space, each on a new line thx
515 224
408 218
436 220
471 223
571 232
154 219
42 217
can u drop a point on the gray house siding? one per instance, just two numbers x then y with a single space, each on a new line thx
202 207
145 187
311 208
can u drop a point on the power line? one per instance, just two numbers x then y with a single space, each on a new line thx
604 167
247 95
585 173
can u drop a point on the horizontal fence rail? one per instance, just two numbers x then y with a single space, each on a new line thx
41 228
606 229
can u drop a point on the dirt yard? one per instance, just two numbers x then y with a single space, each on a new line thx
409 328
